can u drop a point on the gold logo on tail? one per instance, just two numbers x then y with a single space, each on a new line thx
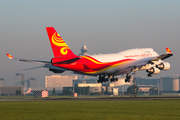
58 41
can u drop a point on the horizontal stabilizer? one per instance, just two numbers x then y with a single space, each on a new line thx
64 60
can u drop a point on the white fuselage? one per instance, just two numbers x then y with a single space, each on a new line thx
140 58
136 54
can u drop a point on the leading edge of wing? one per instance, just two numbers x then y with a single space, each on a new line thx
26 60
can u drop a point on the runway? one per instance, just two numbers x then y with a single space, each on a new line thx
96 99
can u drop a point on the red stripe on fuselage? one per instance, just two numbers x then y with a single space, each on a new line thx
90 65
113 63
93 59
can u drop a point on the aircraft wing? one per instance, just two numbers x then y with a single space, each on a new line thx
156 60
142 63
47 64
26 60
163 56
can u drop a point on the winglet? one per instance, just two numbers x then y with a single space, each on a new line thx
10 57
168 50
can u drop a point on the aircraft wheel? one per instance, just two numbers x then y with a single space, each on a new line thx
112 79
129 77
149 75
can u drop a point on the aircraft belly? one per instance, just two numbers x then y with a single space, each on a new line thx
111 71
121 69
126 68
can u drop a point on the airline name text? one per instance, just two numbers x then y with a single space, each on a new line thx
141 55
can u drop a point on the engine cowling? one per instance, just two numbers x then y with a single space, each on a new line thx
164 66
56 71
153 70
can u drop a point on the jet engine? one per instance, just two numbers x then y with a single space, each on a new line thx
153 70
164 66
56 71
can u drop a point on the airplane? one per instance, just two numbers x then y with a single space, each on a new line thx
28 91
105 66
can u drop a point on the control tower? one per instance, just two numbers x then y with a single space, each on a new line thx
84 51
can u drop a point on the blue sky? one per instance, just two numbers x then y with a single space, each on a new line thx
104 26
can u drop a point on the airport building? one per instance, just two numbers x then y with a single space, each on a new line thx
92 88
19 79
32 83
143 81
58 82
146 86
145 89
120 85
2 82
163 85
169 84
91 80
11 90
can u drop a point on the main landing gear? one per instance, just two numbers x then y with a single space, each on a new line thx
149 75
128 77
114 79
102 78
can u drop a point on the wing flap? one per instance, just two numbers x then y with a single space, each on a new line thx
67 60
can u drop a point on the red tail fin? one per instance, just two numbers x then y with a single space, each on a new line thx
59 47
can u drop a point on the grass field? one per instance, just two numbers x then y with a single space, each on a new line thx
90 110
